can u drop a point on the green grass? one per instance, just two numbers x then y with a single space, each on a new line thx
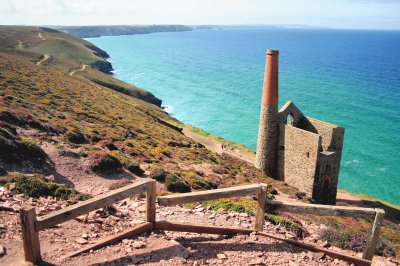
66 50
242 205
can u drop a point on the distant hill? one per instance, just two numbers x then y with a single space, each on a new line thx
55 43
97 31
68 54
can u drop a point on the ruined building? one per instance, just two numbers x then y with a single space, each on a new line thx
302 151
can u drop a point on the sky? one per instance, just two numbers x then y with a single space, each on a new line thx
355 14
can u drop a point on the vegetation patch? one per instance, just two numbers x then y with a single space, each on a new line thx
102 162
290 223
36 186
14 149
175 183
108 144
356 241
158 174
76 137
133 167
245 206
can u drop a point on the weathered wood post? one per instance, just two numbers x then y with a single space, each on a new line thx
151 203
374 235
260 212
30 237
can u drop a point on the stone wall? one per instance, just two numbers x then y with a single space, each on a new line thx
332 135
326 178
297 157
309 154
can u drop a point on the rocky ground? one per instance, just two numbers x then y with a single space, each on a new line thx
159 247
155 248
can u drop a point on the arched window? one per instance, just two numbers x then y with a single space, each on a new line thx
290 120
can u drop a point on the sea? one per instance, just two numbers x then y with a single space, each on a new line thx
213 80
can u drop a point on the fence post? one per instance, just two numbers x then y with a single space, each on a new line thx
260 213
374 235
30 237
151 203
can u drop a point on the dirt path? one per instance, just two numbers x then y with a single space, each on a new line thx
41 36
216 147
20 45
43 58
73 71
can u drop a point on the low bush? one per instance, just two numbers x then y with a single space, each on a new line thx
158 174
289 222
76 137
175 183
107 144
13 150
36 186
356 241
102 162
133 167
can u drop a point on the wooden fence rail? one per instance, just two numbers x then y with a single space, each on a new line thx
31 225
294 207
209 195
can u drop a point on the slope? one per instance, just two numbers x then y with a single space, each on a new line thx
67 53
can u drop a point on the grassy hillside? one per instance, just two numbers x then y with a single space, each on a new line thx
66 54
97 31
65 109
55 43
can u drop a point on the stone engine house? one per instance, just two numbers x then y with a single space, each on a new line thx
302 151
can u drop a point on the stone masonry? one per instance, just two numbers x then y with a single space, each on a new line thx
302 151
268 130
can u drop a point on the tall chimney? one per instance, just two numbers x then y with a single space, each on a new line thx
266 156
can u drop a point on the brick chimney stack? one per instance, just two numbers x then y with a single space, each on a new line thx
266 156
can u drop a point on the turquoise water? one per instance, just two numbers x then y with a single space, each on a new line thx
213 80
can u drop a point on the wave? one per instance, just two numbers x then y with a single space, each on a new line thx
168 108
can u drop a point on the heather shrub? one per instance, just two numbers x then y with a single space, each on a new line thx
102 162
133 167
14 150
356 241
175 183
107 144
158 174
76 137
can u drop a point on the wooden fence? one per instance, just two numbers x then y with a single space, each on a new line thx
31 224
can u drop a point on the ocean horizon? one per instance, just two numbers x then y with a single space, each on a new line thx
213 79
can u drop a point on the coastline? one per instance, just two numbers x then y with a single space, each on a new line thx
246 154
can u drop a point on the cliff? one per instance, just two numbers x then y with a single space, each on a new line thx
97 31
